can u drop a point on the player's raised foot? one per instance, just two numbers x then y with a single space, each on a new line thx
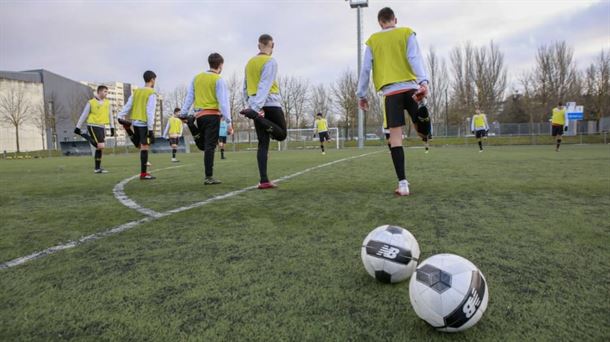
100 171
146 176
174 160
211 181
480 151
148 164
403 188
250 113
323 153
266 185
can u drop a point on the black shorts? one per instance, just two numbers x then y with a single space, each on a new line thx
480 133
395 106
174 141
98 134
209 126
556 130
222 139
141 135
324 136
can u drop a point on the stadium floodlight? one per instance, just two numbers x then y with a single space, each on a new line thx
358 5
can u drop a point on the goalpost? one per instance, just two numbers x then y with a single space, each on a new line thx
302 138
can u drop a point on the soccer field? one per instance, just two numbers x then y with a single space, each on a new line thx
284 264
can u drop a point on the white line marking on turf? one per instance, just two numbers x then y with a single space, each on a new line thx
132 224
119 194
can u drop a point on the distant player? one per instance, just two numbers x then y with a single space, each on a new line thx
559 123
320 127
173 132
222 137
263 96
208 94
479 127
97 114
140 108
394 57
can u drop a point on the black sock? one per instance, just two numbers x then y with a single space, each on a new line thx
173 153
143 160
390 146
208 162
98 159
261 158
480 145
222 152
558 142
426 148
322 147
398 157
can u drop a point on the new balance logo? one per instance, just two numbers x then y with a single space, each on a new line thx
388 252
471 305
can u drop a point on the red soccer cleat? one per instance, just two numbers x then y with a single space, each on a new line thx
146 176
266 185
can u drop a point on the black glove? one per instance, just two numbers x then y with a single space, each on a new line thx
151 137
77 131
565 129
314 135
112 132
472 132
124 123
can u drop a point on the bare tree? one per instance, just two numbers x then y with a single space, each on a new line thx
439 84
555 75
345 100
300 93
597 86
14 107
40 119
319 100
287 84
76 103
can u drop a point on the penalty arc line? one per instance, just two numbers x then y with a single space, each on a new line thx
132 224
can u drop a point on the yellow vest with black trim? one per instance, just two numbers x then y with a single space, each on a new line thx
175 125
139 103
205 91
254 70
322 125
99 114
559 117
390 64
479 121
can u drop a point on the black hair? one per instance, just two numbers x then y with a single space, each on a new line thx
385 15
265 39
215 60
102 87
149 75
176 110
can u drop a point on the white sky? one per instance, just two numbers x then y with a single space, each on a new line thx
117 40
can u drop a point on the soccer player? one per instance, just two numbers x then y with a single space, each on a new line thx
209 95
559 123
173 132
97 114
222 137
320 126
263 96
394 57
141 107
479 127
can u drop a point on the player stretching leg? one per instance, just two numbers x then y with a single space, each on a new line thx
479 127
141 107
173 132
97 114
398 72
263 96
559 123
320 126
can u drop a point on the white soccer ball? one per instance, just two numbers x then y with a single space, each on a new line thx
449 292
390 254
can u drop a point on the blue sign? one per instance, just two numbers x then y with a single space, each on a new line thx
576 116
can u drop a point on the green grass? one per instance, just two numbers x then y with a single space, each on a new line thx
285 264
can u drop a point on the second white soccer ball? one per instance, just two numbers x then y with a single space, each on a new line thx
390 254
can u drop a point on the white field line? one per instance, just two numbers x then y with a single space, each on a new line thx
132 224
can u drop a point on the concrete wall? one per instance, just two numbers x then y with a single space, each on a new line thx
30 136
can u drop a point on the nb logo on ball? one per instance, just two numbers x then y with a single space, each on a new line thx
471 305
388 252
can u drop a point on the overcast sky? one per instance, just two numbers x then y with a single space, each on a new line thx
116 40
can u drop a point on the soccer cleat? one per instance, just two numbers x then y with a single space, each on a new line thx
480 151
211 181
174 160
323 153
146 176
266 185
403 188
148 164
100 171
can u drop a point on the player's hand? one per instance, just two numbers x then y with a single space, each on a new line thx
77 131
230 129
363 103
421 93
151 137
565 129
112 132
472 132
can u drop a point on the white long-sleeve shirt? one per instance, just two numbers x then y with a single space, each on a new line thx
85 114
263 98
151 107
412 54
222 94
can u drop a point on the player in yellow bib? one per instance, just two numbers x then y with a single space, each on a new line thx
320 127
394 58
173 132
97 114
559 123
141 107
479 127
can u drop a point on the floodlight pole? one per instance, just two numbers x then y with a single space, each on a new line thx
360 111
